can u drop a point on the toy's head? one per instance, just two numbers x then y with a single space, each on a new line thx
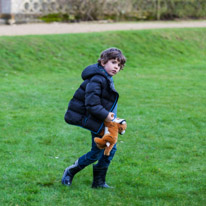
122 125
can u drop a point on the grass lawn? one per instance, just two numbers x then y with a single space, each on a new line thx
161 159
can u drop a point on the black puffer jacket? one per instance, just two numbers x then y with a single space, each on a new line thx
93 100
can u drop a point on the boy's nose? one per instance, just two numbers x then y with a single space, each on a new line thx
116 67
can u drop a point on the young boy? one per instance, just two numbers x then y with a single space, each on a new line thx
93 103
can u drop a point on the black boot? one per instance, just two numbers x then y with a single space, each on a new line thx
99 175
69 173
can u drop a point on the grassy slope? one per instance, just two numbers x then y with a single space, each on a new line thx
160 159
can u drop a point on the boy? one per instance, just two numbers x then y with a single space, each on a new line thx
93 103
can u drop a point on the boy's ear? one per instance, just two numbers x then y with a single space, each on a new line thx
102 63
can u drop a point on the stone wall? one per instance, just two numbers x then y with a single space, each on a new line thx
28 10
15 6
30 6
5 6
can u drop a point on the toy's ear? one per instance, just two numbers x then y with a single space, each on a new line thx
120 121
123 121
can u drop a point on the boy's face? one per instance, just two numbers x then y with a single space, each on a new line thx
112 67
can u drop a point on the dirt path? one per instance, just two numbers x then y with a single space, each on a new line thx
62 28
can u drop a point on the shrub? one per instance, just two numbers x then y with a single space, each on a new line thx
117 10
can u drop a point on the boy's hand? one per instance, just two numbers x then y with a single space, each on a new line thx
110 117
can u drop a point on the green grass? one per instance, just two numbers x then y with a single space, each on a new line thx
161 159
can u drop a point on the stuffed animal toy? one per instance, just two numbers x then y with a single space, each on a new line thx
110 135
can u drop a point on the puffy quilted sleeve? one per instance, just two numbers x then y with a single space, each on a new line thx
93 97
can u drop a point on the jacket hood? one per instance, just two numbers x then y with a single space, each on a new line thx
92 70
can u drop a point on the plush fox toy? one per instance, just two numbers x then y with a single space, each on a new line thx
110 135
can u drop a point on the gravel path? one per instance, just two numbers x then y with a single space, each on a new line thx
62 28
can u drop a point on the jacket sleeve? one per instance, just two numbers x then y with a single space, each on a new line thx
93 95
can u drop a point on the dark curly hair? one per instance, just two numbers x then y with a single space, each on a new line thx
112 53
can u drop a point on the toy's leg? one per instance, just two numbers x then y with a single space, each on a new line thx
108 149
100 143
104 160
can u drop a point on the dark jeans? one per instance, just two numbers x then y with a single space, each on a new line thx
96 154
